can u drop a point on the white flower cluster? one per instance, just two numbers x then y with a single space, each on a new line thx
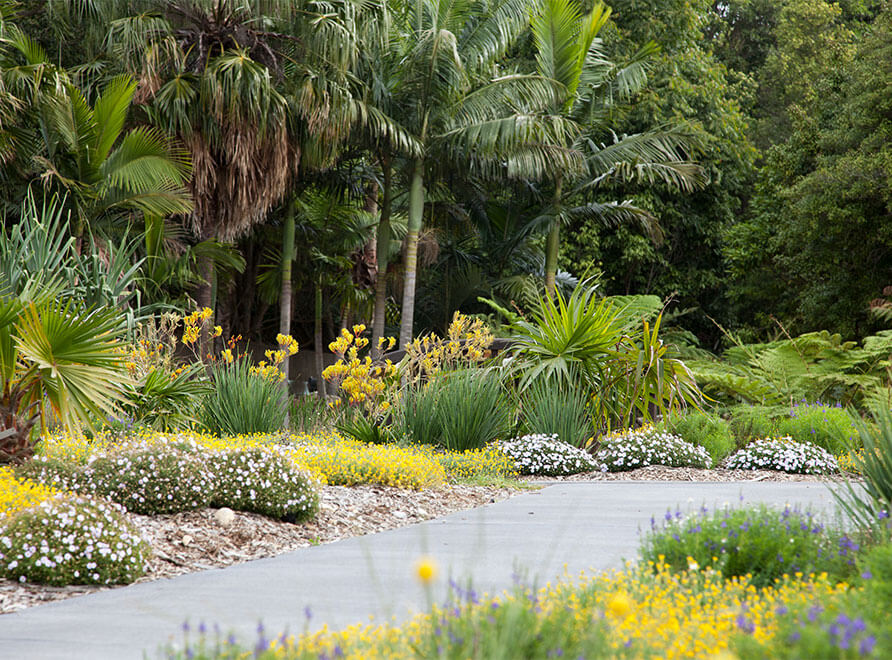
546 455
71 540
151 480
785 455
648 446
263 482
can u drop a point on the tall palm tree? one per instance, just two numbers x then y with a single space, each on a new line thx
463 111
586 99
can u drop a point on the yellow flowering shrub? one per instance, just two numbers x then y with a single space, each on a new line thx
466 343
362 382
18 494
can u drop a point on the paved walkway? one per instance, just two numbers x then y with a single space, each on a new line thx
580 526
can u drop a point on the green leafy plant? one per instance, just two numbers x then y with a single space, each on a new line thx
828 426
870 502
556 407
705 429
263 482
757 541
243 402
71 540
608 345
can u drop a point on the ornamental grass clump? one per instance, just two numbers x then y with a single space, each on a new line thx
705 429
784 455
71 540
547 455
761 543
151 480
263 482
628 450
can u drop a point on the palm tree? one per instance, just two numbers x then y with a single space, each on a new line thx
105 172
461 110
590 89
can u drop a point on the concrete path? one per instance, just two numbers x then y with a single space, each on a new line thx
580 526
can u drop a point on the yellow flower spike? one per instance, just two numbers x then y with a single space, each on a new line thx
358 329
217 331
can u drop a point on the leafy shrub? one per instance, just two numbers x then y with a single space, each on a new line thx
784 455
457 410
756 541
546 455
71 540
243 402
648 446
263 482
830 427
21 493
707 430
554 407
151 480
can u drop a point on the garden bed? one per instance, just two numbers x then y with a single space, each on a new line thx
195 541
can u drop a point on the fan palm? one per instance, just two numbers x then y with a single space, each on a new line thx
55 359
569 52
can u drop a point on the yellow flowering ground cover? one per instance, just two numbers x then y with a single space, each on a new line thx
327 456
642 612
17 494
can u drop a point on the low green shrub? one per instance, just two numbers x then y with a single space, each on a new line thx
551 407
646 446
71 540
784 455
546 455
263 482
705 429
831 427
757 541
243 402
151 480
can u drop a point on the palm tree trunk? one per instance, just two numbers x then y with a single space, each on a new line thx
552 243
317 341
383 255
416 211
285 296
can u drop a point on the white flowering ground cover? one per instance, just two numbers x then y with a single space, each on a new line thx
72 540
647 446
785 455
546 455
